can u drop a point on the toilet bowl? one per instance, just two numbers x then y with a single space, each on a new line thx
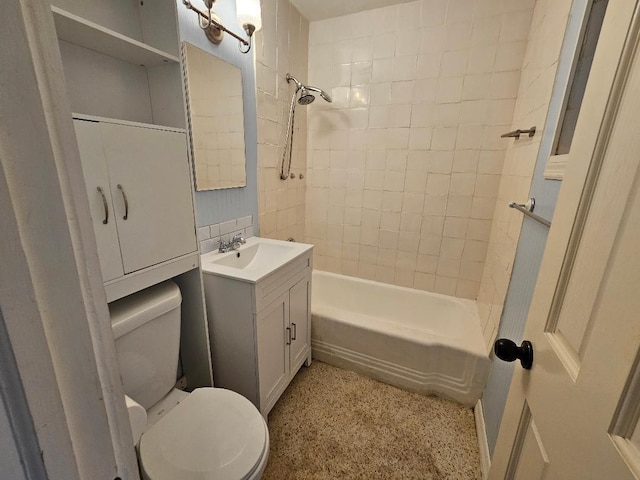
211 433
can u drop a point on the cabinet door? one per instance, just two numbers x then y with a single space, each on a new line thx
151 187
272 325
96 176
300 314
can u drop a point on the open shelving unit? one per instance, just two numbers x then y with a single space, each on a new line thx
79 31
122 66
121 59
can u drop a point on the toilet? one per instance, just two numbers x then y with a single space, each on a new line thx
211 433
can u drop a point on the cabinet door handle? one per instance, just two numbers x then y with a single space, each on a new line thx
106 207
288 336
126 202
295 331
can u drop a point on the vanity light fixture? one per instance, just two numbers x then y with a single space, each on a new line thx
249 19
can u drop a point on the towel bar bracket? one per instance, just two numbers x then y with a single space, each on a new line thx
527 209
516 133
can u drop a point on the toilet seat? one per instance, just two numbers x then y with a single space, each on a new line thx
212 434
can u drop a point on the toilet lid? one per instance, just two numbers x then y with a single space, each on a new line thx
212 434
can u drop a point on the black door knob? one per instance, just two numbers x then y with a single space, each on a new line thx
508 351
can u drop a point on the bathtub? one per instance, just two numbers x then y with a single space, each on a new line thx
420 341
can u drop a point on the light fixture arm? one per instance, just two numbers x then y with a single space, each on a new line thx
211 22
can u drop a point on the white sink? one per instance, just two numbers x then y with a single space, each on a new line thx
253 260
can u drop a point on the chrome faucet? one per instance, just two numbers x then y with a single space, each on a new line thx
233 244
237 240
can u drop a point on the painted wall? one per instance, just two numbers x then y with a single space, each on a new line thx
10 462
218 206
404 166
533 236
534 94
281 48
20 452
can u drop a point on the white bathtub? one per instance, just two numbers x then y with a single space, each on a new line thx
420 341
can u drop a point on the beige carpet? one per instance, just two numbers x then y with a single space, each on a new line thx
335 424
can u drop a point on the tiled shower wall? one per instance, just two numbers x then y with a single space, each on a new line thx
538 74
281 47
404 167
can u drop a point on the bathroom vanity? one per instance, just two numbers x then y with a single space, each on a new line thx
259 311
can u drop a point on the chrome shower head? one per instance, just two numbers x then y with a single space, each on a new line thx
305 97
325 96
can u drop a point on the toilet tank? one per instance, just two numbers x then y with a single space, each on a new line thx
146 327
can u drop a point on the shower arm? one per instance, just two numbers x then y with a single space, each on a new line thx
291 78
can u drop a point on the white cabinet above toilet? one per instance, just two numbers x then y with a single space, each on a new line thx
138 183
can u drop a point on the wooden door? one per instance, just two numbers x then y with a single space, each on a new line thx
300 317
151 187
574 415
96 176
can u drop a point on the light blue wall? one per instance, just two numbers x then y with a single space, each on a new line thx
20 452
533 238
217 206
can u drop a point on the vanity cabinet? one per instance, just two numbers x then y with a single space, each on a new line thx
260 332
282 331
138 183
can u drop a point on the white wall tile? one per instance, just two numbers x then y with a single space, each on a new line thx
449 89
407 42
209 245
384 46
203 233
457 35
404 166
434 12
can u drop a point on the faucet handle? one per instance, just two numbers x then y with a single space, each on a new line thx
238 239
224 246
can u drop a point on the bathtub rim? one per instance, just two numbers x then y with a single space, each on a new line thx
459 342
467 304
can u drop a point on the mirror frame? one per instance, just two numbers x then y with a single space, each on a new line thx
195 138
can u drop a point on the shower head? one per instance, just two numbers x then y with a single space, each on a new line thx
305 97
325 96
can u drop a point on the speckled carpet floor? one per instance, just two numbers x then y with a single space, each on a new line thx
335 424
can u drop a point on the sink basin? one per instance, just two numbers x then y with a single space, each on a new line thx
253 260
260 252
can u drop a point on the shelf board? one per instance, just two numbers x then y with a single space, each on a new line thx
117 121
81 32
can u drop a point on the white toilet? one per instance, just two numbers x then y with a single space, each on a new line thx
211 433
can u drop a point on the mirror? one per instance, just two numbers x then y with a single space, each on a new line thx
216 121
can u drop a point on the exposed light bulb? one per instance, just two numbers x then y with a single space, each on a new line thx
249 14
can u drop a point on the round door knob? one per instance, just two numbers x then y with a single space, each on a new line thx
508 351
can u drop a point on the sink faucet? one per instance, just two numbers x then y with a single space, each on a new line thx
233 244
237 240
